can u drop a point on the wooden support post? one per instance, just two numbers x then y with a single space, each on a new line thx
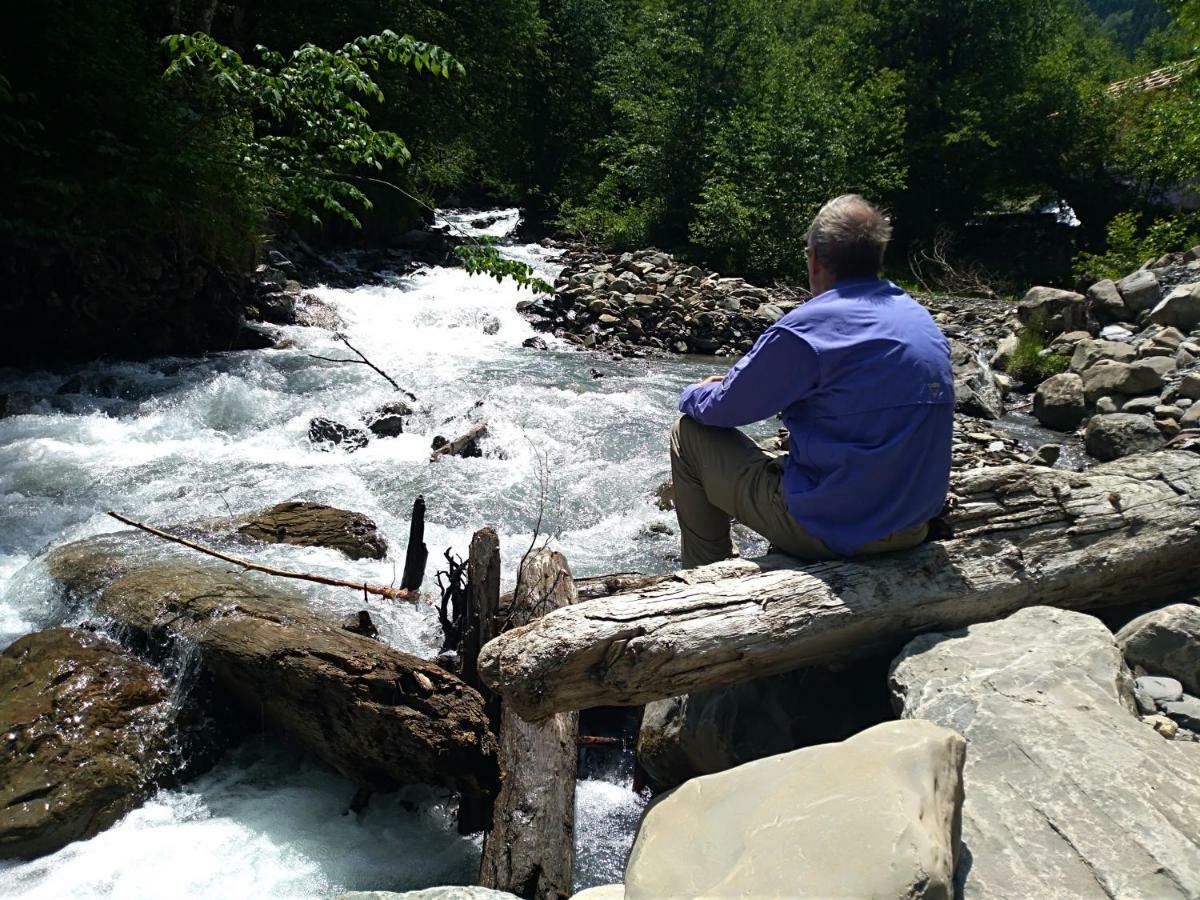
483 599
417 554
529 851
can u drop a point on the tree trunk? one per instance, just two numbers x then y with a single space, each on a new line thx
528 852
1023 536
379 716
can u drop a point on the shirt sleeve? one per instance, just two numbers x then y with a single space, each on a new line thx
779 370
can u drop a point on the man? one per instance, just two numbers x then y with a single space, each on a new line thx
861 375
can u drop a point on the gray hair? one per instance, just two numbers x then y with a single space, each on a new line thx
849 235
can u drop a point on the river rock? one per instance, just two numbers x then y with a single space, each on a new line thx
1180 308
1058 402
1130 379
1067 793
711 731
975 390
314 525
873 816
1058 310
1166 642
1140 291
1088 353
327 434
87 738
1105 301
1159 689
1110 436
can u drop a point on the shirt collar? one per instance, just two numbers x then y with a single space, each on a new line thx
854 287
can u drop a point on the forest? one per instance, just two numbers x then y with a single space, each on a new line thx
708 128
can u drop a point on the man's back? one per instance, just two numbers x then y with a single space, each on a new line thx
871 436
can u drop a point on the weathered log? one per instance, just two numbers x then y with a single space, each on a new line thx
1023 536
528 851
416 555
466 444
379 716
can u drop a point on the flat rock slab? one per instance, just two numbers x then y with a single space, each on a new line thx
1068 794
873 816
87 737
313 525
455 892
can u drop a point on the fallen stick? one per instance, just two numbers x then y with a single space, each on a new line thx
365 586
362 359
1023 536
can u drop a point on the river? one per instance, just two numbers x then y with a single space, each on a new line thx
174 440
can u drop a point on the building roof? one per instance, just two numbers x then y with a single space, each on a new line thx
1156 80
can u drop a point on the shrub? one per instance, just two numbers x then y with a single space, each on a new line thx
1126 249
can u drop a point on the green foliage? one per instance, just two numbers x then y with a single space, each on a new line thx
483 258
1030 364
301 128
1128 247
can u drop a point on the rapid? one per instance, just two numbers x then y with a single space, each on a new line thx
176 440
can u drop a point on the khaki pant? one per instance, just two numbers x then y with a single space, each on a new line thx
720 473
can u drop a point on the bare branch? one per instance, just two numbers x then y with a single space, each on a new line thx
364 586
362 359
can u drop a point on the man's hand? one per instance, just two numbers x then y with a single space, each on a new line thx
712 379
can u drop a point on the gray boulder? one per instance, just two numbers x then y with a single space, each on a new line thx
1190 386
1140 291
1180 308
1105 301
1166 642
711 731
975 390
1089 353
1059 403
1068 794
1130 379
1115 435
1058 310
873 816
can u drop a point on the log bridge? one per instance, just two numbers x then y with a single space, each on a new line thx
1022 536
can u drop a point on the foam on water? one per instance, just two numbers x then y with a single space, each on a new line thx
183 439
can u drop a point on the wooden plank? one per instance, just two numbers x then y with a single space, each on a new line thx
528 851
1023 536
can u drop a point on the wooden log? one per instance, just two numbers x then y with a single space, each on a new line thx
529 851
379 716
1022 536
416 555
466 444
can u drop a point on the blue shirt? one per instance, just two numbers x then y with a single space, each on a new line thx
862 377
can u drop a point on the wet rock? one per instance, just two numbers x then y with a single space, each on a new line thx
1059 310
388 420
1166 642
1064 785
327 434
490 324
87 737
664 496
711 731
1180 308
534 343
1047 454
306 524
1108 437
1059 403
361 623
876 815
1140 291
975 391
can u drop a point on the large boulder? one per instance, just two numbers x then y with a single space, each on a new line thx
1058 402
1180 308
1140 291
876 815
1068 794
711 731
87 738
1166 642
1127 379
1058 310
975 389
1114 435
313 525
1090 352
1105 302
